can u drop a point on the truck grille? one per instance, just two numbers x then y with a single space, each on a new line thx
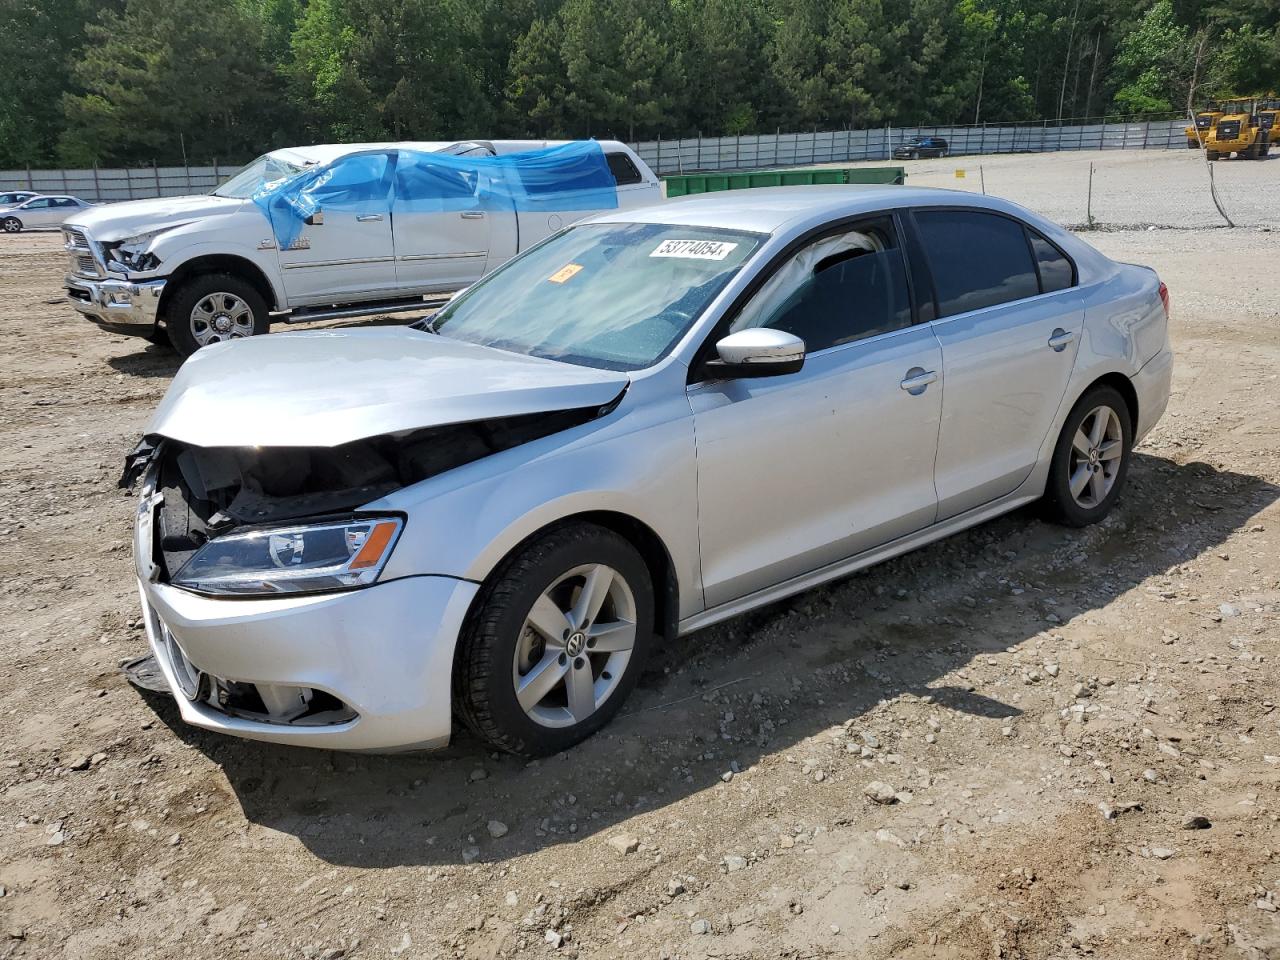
1228 129
80 252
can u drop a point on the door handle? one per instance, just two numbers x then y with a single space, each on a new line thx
473 215
368 218
917 379
1060 339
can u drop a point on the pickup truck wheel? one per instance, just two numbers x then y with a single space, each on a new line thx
211 308
12 225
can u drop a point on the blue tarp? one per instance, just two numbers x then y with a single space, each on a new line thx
571 177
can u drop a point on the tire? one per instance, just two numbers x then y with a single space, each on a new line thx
11 225
1212 154
1095 499
198 308
1192 144
499 648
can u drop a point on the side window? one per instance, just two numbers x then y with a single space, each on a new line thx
977 259
1056 272
38 204
623 170
837 290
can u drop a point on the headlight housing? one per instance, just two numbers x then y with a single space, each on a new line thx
306 558
132 253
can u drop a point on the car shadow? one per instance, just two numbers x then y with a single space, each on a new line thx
764 682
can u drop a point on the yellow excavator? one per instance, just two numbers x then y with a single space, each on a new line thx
1244 126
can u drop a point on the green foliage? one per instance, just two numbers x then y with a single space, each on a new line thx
127 81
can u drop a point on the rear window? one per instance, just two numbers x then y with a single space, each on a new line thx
623 170
977 259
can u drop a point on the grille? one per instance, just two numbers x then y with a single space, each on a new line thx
85 265
75 238
1228 129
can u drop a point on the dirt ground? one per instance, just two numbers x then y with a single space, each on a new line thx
1076 731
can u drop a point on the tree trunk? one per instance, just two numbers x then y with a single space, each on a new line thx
1066 62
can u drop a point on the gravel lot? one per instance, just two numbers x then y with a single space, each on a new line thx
1025 742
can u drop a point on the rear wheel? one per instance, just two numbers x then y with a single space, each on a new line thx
1212 154
556 642
1091 459
11 225
211 308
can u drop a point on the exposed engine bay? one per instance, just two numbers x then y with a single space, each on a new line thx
211 491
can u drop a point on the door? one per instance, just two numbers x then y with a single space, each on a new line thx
1007 349
347 254
441 226
37 213
799 471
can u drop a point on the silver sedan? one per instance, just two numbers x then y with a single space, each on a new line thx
39 213
648 423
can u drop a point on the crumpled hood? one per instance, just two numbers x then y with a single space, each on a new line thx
118 221
328 387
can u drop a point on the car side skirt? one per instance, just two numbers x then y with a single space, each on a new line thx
842 568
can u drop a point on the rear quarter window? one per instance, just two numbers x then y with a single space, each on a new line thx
1056 271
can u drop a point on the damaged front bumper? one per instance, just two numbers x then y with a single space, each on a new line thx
121 306
376 661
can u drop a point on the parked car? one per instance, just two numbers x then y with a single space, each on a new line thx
40 213
656 420
919 147
209 268
12 198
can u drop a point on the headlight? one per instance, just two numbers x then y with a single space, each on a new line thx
339 555
132 253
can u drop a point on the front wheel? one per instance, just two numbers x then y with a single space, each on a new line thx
11 225
211 308
1091 459
556 641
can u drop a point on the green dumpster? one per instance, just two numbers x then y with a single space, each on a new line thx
685 184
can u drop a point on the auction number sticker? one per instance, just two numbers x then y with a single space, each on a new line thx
694 249
567 272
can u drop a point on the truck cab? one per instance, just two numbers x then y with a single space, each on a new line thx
211 268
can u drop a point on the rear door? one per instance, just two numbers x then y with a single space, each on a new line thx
349 255
1010 320
442 227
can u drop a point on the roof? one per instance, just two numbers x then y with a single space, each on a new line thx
769 209
326 152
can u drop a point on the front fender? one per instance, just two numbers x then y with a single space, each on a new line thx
638 461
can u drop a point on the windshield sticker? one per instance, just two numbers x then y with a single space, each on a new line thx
694 249
567 272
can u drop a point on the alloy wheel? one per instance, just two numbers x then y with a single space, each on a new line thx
574 646
219 317
1097 450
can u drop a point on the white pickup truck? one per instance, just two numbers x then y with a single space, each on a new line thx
208 268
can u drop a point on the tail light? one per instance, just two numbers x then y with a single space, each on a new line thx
1164 298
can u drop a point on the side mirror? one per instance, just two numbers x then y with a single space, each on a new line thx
757 352
316 219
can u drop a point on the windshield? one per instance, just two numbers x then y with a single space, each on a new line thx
610 295
248 179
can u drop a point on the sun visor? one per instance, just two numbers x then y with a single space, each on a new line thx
571 177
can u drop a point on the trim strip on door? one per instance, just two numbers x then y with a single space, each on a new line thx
445 256
336 263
